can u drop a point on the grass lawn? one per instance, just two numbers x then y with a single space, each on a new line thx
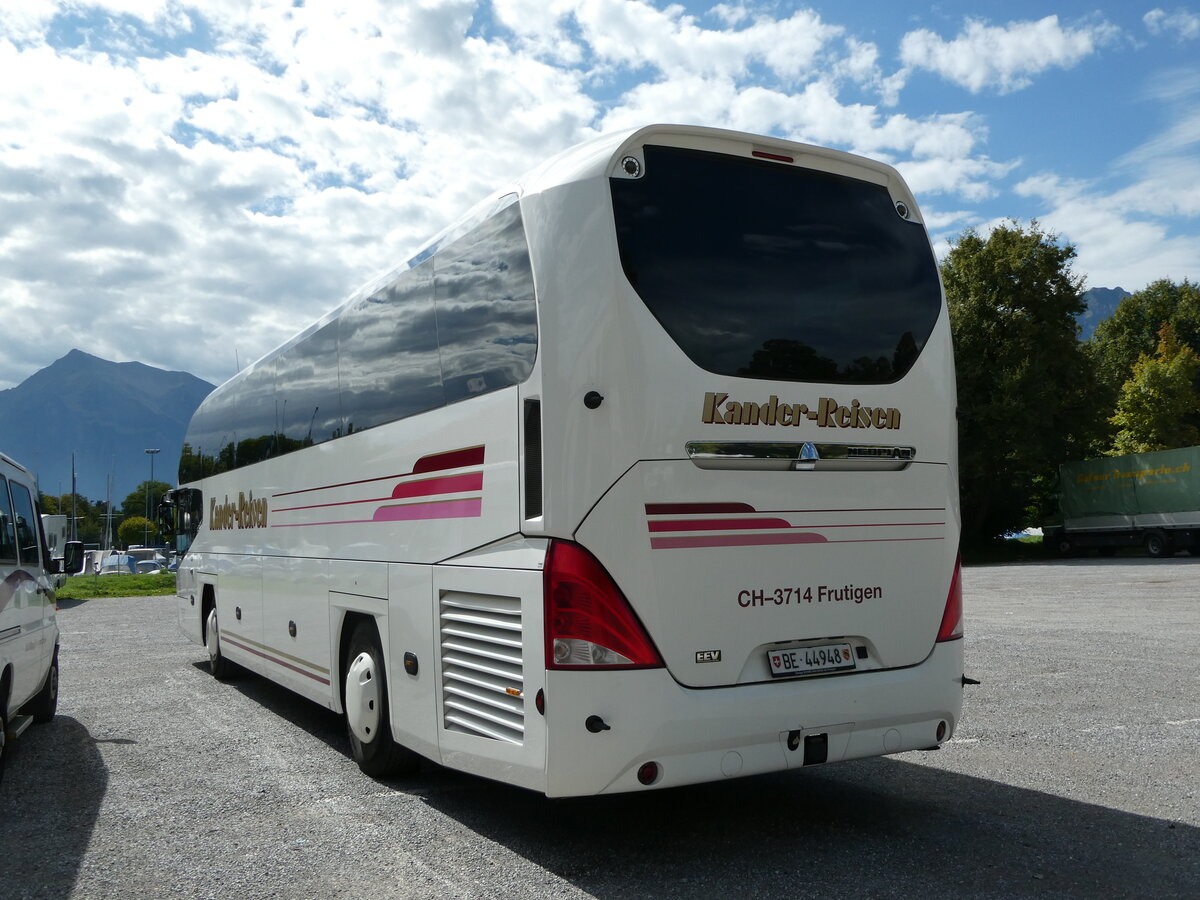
84 587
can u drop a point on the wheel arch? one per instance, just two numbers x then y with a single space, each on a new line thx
208 600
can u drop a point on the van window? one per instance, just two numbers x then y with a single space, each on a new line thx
27 526
8 536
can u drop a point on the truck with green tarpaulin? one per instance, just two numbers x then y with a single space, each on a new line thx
1149 500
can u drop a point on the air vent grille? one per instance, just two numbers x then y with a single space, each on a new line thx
483 678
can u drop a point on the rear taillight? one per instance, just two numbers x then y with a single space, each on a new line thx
952 618
589 623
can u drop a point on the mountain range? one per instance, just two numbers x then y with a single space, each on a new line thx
1101 303
106 413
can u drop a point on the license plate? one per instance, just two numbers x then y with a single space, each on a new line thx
810 660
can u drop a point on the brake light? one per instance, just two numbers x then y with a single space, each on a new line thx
952 618
589 623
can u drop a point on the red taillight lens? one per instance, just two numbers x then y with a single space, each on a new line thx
952 618
589 623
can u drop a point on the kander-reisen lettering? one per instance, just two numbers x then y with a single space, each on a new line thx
828 413
246 513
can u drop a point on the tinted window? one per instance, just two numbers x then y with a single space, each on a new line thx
26 525
486 318
256 415
306 389
460 322
389 352
764 270
8 533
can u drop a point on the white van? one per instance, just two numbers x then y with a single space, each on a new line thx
28 629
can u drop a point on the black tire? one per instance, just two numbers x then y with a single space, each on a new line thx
220 667
376 752
3 741
1158 545
44 704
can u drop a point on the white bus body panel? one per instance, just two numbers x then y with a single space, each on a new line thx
717 733
336 515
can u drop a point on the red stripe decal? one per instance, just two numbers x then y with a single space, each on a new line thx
684 509
445 509
278 662
716 524
755 540
449 484
734 540
454 459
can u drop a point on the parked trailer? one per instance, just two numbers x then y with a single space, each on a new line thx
1149 500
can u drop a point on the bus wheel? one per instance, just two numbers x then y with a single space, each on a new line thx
221 668
44 704
1157 544
367 717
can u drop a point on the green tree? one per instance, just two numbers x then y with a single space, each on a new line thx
1133 328
89 516
1026 398
1134 331
135 503
1158 405
137 530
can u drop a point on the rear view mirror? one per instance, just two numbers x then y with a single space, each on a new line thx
72 557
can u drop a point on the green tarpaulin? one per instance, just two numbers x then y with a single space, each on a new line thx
1167 481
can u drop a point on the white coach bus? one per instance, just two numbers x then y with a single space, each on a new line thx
643 474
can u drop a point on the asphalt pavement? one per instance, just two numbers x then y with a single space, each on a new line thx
1075 773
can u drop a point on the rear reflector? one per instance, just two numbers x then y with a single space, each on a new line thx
589 623
952 618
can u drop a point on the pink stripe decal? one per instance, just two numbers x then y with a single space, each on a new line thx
684 509
448 484
471 508
716 524
734 540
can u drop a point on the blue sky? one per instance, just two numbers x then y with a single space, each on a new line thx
188 184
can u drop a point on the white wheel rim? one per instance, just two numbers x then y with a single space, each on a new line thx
363 694
212 640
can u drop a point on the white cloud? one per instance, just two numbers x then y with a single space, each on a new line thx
174 206
1119 240
1181 23
1004 58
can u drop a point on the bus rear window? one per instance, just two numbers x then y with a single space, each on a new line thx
761 270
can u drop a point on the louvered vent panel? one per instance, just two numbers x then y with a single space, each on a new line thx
483 681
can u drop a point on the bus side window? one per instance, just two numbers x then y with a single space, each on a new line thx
486 318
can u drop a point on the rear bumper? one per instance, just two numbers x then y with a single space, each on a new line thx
701 735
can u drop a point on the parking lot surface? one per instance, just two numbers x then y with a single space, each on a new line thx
1075 773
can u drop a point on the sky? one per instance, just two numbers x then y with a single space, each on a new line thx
189 184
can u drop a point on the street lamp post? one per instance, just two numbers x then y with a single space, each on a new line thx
149 488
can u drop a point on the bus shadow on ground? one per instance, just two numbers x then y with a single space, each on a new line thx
872 828
54 783
323 724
